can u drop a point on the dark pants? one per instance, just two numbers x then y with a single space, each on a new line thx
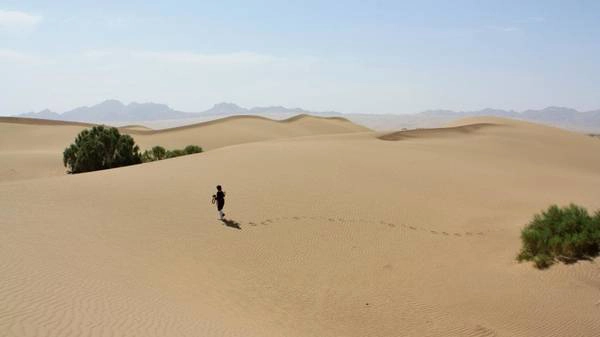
220 205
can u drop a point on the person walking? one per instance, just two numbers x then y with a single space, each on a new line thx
220 200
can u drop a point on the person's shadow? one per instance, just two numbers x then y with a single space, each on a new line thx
232 223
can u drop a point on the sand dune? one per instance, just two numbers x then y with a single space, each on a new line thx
32 148
340 235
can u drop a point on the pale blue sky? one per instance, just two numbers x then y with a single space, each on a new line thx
349 56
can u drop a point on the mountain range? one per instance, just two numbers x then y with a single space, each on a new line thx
569 118
116 111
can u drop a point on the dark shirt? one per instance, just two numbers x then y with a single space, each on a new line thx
220 196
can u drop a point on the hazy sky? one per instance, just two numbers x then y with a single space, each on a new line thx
349 56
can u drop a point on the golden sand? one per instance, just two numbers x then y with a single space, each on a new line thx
343 232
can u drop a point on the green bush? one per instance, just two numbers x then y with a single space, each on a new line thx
100 148
159 152
563 234
147 156
175 153
156 153
192 149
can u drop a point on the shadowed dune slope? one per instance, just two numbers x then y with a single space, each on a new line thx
135 128
435 132
31 148
339 235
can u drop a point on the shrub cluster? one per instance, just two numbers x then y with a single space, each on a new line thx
564 234
103 147
159 153
100 148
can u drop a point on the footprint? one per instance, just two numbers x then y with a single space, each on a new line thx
445 233
433 232
391 225
457 234
331 219
469 233
251 223
296 218
413 228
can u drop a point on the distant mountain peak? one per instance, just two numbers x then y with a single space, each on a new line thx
559 109
45 114
110 103
111 100
224 108
226 104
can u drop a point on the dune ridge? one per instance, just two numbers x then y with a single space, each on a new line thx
138 128
297 118
40 121
25 141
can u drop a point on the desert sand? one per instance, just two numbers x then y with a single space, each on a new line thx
334 230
